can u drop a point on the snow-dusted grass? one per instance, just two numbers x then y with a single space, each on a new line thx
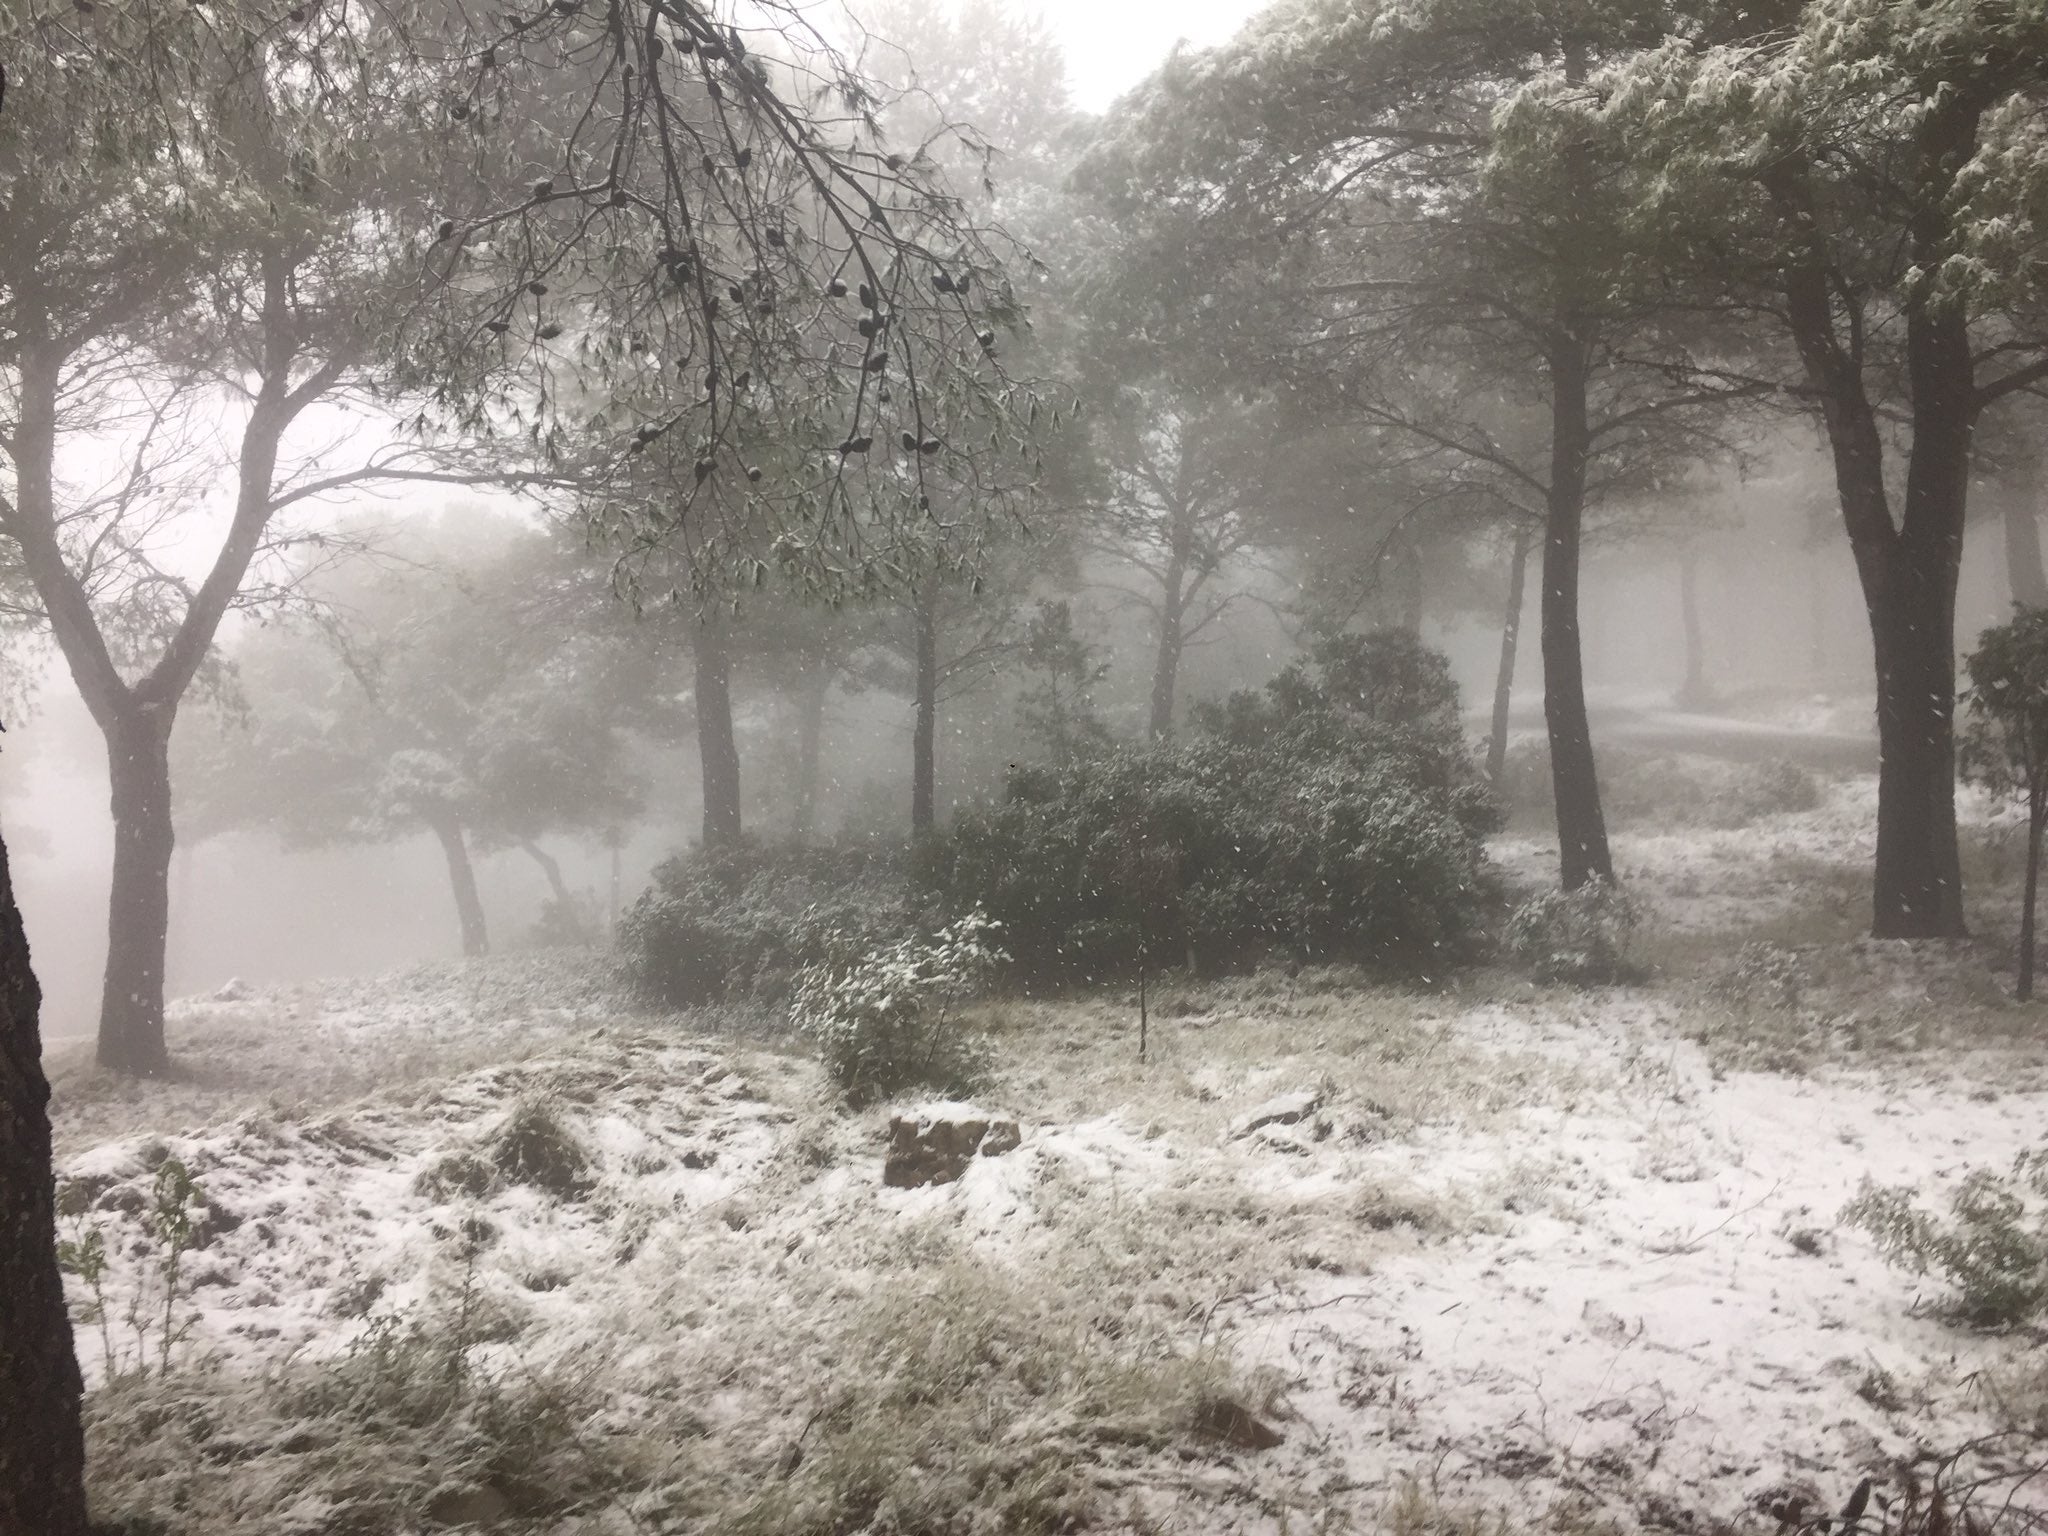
483 1242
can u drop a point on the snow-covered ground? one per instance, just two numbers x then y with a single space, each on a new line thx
1535 1250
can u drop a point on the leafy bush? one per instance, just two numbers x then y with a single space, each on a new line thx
1580 937
743 921
1993 1249
886 1019
1330 817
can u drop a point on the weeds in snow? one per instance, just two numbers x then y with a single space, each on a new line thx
156 1291
1993 1249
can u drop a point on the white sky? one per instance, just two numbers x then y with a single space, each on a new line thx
1113 44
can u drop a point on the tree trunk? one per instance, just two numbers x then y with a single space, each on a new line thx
1908 573
717 744
924 733
1581 827
42 1442
551 869
1410 558
1171 642
1692 690
2023 566
810 735
2037 815
131 1038
1504 678
469 909
1909 587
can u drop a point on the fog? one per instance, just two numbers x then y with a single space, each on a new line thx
892 767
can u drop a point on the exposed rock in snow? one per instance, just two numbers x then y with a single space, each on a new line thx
933 1143
1283 1109
233 990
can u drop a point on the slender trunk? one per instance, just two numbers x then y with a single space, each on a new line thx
551 870
131 1038
469 908
2037 815
614 843
924 733
717 744
1411 584
1581 827
810 736
1504 679
42 1443
1692 690
1173 600
2023 566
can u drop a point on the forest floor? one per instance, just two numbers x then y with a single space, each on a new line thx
482 1244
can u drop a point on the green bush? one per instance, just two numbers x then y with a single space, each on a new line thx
1335 817
1578 937
887 1019
742 921
1993 1249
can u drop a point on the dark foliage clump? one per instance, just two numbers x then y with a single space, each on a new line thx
1334 817
742 921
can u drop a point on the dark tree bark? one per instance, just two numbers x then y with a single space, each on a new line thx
1581 826
135 716
1909 569
2037 820
131 1037
42 1441
469 909
924 735
1171 640
2023 566
1692 688
812 694
1504 678
551 871
718 748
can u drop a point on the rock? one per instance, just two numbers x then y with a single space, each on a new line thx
1230 1421
468 1506
1286 1109
934 1144
233 990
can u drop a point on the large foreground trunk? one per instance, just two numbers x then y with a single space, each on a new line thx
718 747
42 1446
1504 678
1909 575
1909 590
1581 826
924 734
131 1038
469 908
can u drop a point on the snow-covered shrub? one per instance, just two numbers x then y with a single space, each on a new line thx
743 921
1580 937
887 1019
1992 1250
1763 975
536 1146
1776 787
1335 817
